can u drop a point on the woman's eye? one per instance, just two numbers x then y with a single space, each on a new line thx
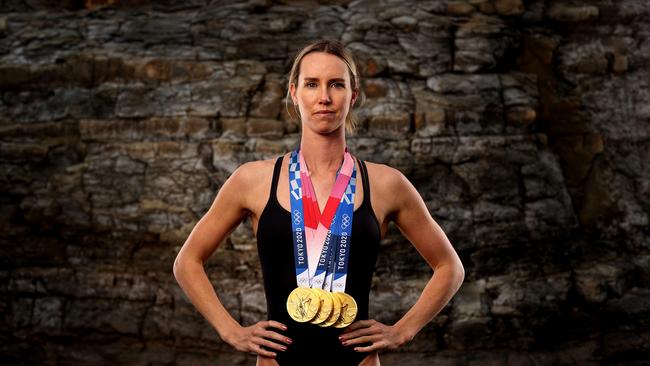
339 85
310 84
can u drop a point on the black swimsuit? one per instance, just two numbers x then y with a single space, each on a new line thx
313 344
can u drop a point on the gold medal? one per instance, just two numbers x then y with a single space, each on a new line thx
326 304
348 310
336 311
303 304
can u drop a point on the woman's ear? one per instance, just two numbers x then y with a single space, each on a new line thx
292 91
355 93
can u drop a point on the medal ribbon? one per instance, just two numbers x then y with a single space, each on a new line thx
315 239
341 234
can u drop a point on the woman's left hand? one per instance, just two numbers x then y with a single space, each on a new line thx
381 336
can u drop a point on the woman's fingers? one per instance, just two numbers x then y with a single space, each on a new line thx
273 335
364 339
262 331
258 339
274 324
261 351
379 335
357 333
372 347
263 337
270 344
358 324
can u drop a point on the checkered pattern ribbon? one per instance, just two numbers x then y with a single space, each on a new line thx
321 240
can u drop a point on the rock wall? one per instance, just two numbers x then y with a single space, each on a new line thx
524 124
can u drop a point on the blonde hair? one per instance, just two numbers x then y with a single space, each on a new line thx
335 48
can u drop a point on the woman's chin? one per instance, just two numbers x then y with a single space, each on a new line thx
326 128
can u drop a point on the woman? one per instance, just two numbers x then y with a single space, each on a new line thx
324 85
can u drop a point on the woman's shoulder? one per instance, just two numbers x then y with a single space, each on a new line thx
253 166
390 185
254 178
255 171
383 173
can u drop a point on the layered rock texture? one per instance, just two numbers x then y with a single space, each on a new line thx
524 124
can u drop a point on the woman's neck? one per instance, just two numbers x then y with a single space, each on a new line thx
322 153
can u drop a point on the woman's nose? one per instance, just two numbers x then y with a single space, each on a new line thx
325 97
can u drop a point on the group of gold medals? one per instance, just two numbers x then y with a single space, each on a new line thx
320 307
316 305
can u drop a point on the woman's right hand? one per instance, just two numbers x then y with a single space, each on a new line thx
252 338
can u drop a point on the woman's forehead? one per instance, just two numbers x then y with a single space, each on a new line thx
323 65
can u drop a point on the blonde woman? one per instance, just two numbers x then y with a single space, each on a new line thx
318 214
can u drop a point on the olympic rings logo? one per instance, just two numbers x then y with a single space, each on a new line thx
345 221
297 217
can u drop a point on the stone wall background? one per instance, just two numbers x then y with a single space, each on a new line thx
523 124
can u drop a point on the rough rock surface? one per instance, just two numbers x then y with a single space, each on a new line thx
524 124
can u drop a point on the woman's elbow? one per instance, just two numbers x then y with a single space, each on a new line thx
180 264
177 266
185 261
459 273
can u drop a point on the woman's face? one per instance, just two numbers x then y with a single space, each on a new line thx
323 94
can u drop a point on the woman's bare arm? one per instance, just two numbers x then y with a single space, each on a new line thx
405 205
416 224
225 214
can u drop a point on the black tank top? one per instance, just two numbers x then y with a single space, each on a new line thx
313 344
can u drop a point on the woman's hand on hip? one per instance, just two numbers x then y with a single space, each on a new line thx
252 338
380 335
